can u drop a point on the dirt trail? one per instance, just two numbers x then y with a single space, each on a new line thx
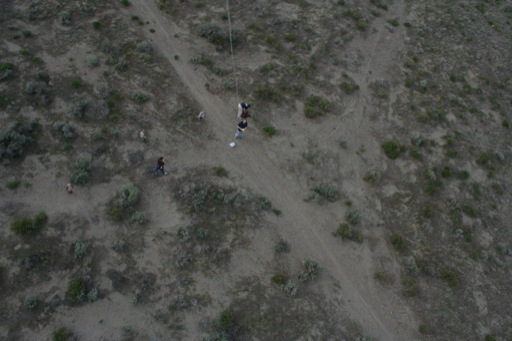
381 316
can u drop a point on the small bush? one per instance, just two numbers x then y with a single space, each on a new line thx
15 139
280 278
269 130
65 18
27 226
290 288
316 106
446 172
398 242
96 24
213 33
268 92
125 2
92 60
221 171
12 185
349 88
282 246
140 97
426 212
346 232
61 334
31 302
353 217
79 249
392 149
126 197
82 168
463 175
450 277
372 177
310 269
327 191
393 22
76 290
144 47
410 288
139 218
226 320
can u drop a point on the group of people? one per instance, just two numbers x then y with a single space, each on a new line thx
243 114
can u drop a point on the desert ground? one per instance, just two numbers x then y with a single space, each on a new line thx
369 199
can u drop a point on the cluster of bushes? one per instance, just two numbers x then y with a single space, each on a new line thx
81 172
29 226
216 35
346 232
123 203
16 138
316 106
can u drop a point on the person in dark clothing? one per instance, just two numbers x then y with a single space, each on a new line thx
242 125
159 166
243 110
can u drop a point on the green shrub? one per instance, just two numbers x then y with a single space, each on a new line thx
82 169
76 290
139 218
213 33
372 177
346 232
221 171
31 302
27 226
201 60
353 217
410 288
310 269
226 320
279 278
392 149
23 226
126 197
426 212
349 88
393 22
92 60
450 277
268 92
489 337
125 2
269 130
398 242
40 219
15 139
463 175
79 249
140 97
316 106
327 191
65 18
446 172
12 185
144 47
282 246
96 24
61 334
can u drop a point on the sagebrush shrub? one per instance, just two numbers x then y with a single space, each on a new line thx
76 290
310 269
82 168
392 149
213 33
316 106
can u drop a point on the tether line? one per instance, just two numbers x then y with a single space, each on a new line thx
231 45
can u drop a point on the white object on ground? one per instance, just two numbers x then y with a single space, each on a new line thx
232 144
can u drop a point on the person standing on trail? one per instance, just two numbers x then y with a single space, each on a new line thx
241 126
159 166
243 110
